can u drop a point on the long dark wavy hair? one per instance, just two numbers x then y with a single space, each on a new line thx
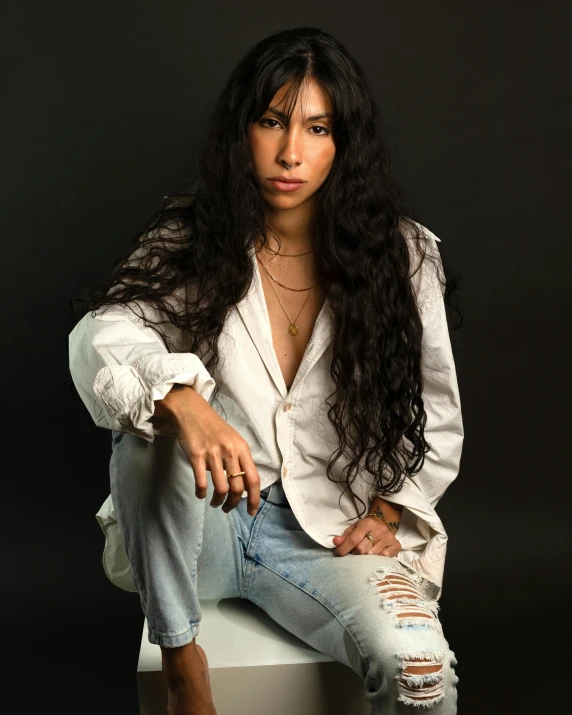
364 243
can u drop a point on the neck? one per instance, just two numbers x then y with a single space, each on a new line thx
290 228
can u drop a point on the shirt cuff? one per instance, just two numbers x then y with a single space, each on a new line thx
127 392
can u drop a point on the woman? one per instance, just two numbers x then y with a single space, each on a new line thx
277 344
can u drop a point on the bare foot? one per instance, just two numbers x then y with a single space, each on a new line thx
186 674
205 663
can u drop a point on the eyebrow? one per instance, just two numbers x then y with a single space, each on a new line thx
282 115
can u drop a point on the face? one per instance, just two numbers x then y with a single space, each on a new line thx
306 145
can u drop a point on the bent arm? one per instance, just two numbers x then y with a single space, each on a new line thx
120 367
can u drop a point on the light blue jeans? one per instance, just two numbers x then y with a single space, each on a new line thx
369 612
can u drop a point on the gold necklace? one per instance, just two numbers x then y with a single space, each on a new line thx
292 328
297 290
277 253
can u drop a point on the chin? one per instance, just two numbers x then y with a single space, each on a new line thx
284 202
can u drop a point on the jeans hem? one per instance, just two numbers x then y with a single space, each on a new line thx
173 641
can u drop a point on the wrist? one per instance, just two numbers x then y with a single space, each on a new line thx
387 512
173 404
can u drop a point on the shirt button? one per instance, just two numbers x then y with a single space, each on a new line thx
285 471
286 406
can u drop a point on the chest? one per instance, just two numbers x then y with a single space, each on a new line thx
288 308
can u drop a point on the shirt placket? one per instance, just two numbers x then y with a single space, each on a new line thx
287 411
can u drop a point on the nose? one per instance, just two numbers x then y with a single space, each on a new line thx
290 154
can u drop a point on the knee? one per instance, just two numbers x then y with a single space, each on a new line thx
417 655
418 678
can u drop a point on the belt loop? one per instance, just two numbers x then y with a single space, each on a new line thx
271 490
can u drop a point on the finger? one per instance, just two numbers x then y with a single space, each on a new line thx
385 545
358 543
223 464
339 539
392 549
251 481
235 484
220 483
235 491
198 463
383 538
365 546
352 539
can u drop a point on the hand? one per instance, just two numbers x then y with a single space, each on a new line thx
209 442
354 539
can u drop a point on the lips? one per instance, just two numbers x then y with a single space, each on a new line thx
286 185
287 179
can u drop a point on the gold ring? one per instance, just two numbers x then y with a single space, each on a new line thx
236 474
370 537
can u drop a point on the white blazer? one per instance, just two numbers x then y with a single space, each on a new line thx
120 366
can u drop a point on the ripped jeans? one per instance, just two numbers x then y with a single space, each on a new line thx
369 612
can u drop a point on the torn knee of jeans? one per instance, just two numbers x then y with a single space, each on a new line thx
402 595
421 680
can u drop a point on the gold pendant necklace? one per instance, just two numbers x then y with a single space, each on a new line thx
292 328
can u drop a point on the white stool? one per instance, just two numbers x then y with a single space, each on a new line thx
256 666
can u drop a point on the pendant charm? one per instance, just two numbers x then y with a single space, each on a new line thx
293 329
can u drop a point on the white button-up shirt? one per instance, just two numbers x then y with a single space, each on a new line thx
120 366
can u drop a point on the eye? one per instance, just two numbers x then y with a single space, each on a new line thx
268 119
326 131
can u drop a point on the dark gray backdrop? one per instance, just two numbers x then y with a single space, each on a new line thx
105 104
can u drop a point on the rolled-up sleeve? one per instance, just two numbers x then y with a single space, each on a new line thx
119 366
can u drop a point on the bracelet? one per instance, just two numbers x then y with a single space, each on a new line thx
381 516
